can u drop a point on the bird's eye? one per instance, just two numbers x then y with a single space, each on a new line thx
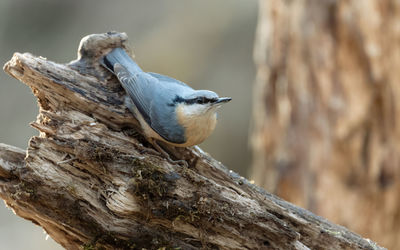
200 100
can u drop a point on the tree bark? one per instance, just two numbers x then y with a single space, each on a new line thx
93 182
327 109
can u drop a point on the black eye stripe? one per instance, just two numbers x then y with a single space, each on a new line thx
197 100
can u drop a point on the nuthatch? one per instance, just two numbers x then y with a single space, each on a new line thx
167 109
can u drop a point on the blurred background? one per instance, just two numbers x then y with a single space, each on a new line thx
207 44
326 132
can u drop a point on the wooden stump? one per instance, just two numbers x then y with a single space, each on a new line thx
92 181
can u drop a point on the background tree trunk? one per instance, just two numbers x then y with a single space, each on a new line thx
327 108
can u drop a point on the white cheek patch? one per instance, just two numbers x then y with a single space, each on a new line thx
193 109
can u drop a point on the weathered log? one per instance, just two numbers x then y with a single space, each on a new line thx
92 181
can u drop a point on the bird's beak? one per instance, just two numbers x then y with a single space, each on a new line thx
222 100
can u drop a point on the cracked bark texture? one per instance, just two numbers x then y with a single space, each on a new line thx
327 110
90 180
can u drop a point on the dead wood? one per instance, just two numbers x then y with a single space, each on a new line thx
90 181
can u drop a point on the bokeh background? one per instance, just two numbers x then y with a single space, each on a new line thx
207 44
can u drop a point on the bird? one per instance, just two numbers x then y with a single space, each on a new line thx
167 109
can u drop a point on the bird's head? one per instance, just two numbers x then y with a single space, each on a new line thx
196 112
202 102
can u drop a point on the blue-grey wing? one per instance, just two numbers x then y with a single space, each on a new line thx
167 79
137 86
165 123
163 114
152 98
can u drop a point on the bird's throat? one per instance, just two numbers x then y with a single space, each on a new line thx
198 126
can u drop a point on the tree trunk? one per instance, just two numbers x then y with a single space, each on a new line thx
92 182
327 108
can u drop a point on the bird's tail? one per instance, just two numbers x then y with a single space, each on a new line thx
118 55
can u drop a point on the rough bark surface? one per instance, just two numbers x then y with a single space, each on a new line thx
327 110
92 182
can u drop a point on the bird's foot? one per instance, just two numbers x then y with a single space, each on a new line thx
161 151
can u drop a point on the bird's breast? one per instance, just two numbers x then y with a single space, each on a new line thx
197 127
